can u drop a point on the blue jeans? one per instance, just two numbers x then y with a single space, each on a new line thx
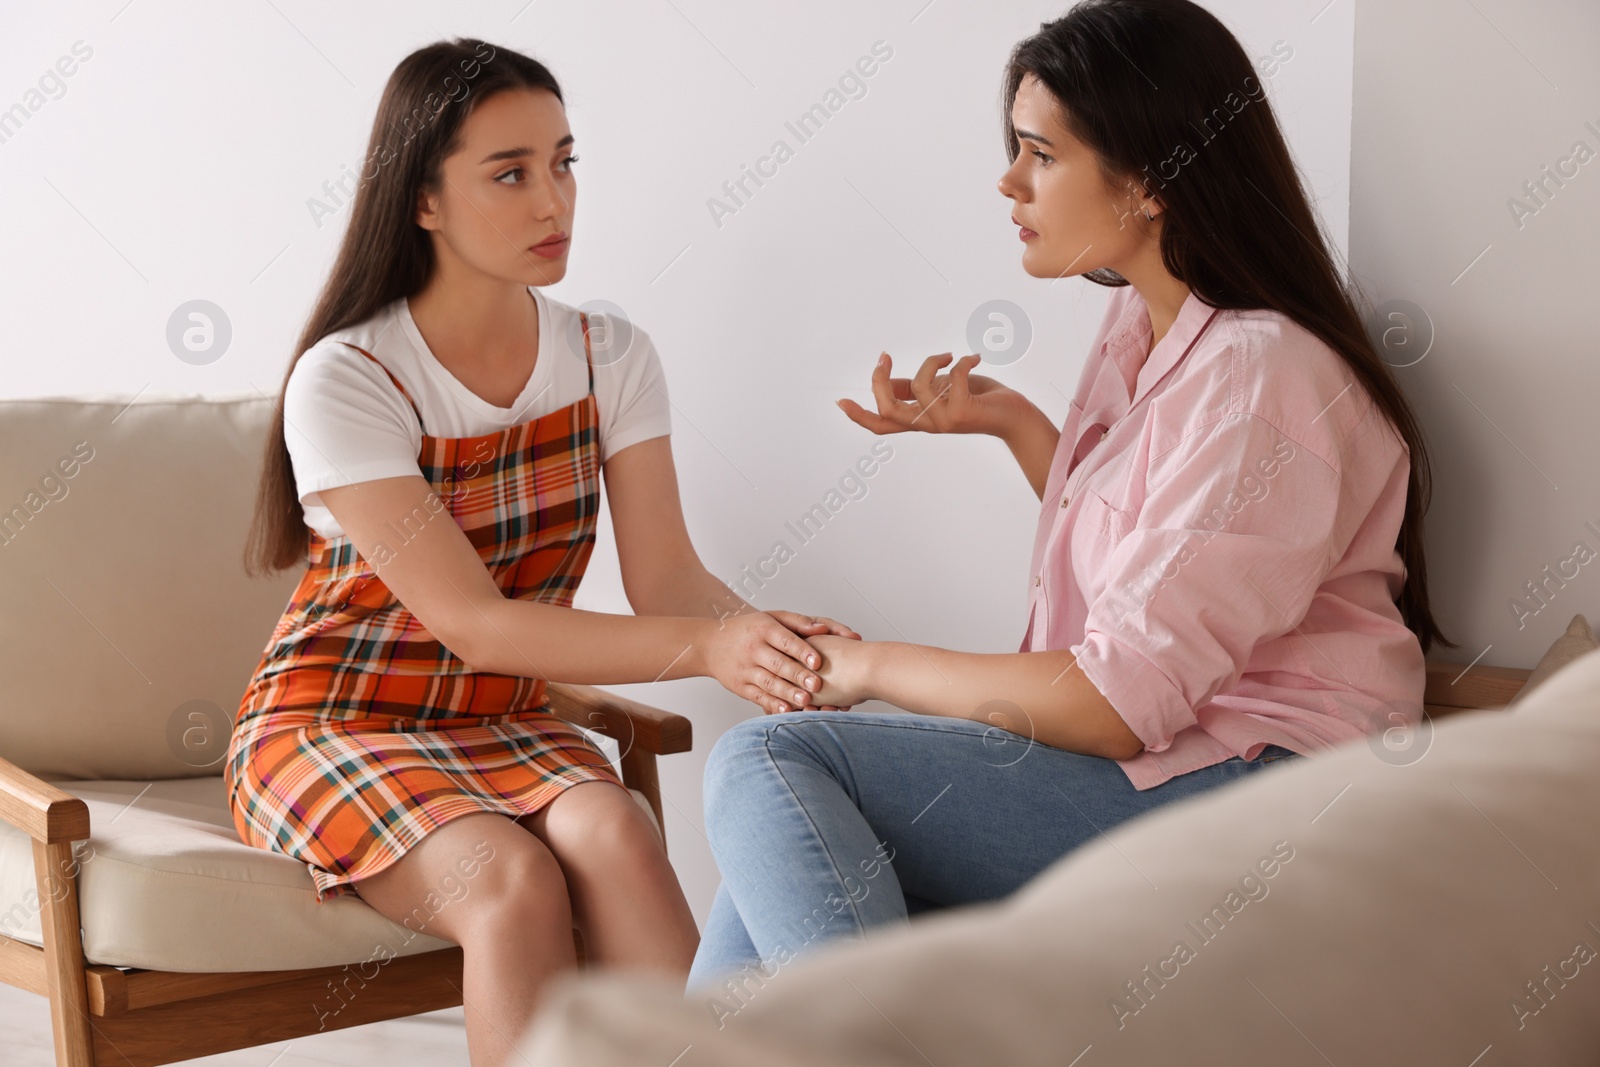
826 823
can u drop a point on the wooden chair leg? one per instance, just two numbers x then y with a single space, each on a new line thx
639 772
55 875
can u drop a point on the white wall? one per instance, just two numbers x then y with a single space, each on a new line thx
179 161
1456 108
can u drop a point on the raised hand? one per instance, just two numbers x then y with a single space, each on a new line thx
957 402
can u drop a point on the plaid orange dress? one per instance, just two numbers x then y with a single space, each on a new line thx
359 732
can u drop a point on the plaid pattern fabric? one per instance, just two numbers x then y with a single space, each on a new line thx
359 732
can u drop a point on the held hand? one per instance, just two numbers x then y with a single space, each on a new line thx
845 670
807 625
957 402
810 626
756 657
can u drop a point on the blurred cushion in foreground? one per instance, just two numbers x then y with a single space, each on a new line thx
1356 907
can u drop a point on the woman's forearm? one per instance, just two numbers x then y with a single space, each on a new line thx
691 590
688 589
663 640
1038 695
1032 439
538 640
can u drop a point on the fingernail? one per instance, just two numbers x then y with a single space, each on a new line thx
798 695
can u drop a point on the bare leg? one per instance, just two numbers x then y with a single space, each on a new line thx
511 917
625 895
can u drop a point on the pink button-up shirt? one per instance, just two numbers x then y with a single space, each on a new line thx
1217 541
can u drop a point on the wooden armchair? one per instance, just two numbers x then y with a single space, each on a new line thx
128 632
106 1016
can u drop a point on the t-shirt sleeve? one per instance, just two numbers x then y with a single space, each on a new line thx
344 421
633 406
1227 552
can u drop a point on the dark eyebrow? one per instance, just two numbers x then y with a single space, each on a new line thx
518 153
1024 135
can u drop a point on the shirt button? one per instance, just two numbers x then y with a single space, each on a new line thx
1103 434
1035 579
1064 501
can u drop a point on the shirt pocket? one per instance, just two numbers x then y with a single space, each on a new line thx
1098 527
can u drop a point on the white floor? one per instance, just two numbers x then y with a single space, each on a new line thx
437 1039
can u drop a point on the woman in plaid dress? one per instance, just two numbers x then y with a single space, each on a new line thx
394 735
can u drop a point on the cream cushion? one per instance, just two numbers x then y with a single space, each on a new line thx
1578 639
165 883
128 629
1422 904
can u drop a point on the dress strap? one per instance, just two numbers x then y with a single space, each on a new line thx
588 355
392 378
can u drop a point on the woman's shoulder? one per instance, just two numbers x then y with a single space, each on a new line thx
620 349
354 362
364 349
1282 372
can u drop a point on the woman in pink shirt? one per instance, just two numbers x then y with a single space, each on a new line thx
1228 564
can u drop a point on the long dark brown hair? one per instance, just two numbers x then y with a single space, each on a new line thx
1134 79
384 254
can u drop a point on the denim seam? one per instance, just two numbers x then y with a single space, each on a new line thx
844 719
766 744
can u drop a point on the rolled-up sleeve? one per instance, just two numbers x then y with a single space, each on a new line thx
1226 552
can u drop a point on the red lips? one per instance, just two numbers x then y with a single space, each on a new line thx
552 246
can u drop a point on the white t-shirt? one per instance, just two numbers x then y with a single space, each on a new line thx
345 422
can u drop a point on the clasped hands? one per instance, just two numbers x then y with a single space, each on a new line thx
806 663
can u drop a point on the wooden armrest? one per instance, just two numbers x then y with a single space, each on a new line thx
1455 685
633 724
44 812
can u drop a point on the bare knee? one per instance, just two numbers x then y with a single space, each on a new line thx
474 875
596 824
